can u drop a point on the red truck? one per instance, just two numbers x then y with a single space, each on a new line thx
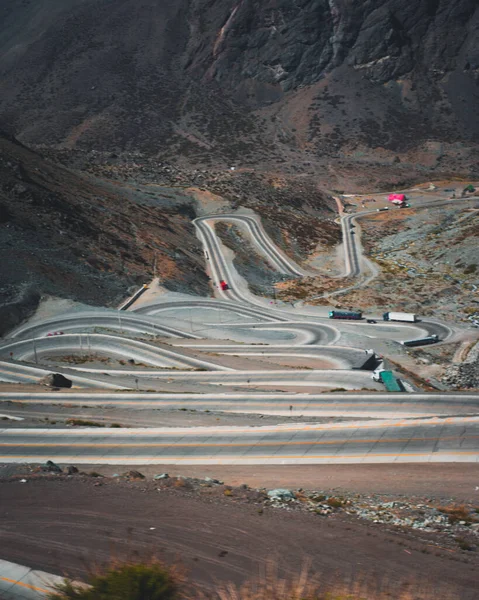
224 285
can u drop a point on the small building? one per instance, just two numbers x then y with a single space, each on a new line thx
397 198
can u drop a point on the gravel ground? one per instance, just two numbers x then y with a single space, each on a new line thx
62 525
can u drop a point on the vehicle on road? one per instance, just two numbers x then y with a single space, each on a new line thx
430 339
400 316
383 208
371 321
346 314
388 379
398 199
224 285
49 334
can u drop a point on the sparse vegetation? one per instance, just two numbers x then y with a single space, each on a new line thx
464 544
83 423
135 581
153 580
456 513
335 502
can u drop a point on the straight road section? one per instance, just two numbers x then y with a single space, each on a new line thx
452 439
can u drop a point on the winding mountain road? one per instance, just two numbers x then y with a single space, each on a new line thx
155 340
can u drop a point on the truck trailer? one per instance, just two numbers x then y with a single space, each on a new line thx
387 378
399 316
346 314
430 339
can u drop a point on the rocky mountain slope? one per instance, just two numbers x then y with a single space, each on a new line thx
77 237
340 81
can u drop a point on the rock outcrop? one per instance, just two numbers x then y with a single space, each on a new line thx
243 79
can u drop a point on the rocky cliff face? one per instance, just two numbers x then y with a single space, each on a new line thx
77 237
338 92
245 80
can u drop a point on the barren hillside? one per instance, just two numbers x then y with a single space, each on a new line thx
387 83
76 237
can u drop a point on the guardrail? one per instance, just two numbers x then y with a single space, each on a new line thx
133 298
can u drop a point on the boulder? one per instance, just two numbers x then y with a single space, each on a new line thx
281 495
56 380
215 481
133 475
71 470
51 467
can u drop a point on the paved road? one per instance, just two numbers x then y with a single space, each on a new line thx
109 345
254 228
154 379
431 439
22 583
453 439
122 321
357 405
342 357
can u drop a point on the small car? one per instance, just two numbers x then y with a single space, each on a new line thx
372 321
54 333
224 285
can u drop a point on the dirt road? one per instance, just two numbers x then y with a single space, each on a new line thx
63 526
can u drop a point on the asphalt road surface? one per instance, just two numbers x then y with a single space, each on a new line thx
360 405
452 439
446 432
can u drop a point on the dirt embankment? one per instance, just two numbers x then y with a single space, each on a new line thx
74 236
429 254
427 262
219 532
259 274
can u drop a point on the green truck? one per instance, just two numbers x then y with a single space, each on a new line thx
387 378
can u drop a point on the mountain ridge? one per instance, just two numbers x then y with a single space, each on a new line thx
211 80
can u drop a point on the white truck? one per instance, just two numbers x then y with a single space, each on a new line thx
400 316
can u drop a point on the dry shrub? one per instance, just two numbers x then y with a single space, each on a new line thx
307 586
456 513
335 502
150 580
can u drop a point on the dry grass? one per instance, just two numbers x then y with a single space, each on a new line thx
151 579
83 423
457 513
306 586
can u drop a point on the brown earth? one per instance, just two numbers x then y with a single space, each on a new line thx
382 91
427 262
74 236
66 525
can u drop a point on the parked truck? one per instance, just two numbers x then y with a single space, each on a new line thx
387 378
399 316
346 314
430 339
